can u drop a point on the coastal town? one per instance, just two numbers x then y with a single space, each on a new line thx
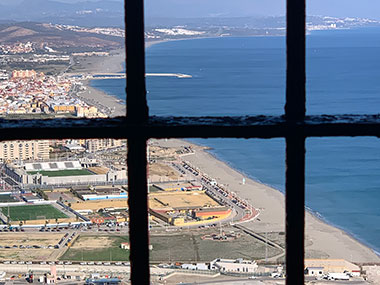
29 92
64 211
64 203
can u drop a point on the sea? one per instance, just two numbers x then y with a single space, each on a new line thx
246 76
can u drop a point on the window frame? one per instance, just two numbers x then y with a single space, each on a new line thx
138 127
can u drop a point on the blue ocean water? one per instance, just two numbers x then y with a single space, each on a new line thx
246 76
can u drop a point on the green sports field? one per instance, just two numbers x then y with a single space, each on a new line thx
32 212
69 172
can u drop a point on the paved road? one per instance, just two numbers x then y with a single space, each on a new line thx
76 268
213 190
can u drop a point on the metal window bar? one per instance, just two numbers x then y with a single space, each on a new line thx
295 110
138 127
137 112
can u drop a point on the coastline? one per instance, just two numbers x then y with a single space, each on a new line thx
321 238
113 63
315 214
93 96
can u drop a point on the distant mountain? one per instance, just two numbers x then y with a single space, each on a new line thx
247 22
273 22
57 38
88 13
110 13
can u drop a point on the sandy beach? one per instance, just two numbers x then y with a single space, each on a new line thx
103 101
322 239
112 64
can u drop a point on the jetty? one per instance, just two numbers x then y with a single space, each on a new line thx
122 75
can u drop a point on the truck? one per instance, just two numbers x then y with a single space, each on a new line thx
338 276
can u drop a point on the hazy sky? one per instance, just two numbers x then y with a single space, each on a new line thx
340 8
193 8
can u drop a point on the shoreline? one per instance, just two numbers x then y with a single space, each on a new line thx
94 96
320 236
313 213
113 64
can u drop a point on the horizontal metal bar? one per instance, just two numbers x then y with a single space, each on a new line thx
188 127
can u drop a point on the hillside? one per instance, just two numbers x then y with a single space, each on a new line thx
84 13
56 38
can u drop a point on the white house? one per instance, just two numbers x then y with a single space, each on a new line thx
314 271
234 265
195 266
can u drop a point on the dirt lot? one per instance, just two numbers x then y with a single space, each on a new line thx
372 273
100 204
25 239
41 239
181 199
157 152
159 171
37 254
92 242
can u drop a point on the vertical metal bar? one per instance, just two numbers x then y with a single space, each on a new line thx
295 209
295 142
295 69
138 211
137 108
137 113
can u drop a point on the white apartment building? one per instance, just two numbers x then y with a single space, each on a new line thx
94 145
24 150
